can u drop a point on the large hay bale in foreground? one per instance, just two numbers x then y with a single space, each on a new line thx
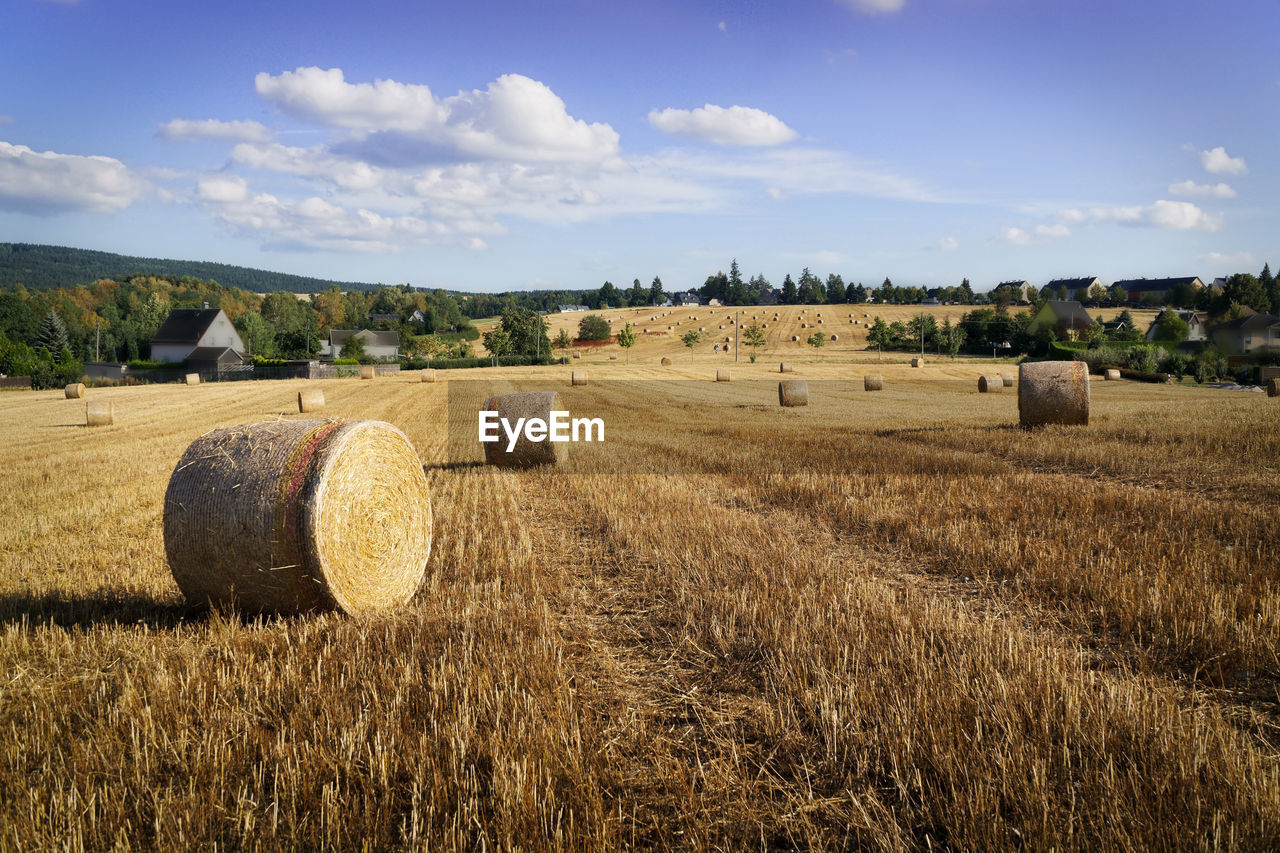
722 375
366 371
873 382
578 377
793 392
666 362
1053 392
1008 380
1273 387
917 362
193 378
428 375
785 368
1111 374
990 384
99 413
295 516
74 391
310 400
525 453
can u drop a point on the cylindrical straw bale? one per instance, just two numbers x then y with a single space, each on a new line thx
666 362
1273 387
577 355
793 392
1111 374
310 400
74 391
835 337
366 371
193 378
428 375
613 356
990 384
1007 379
917 362
723 375
579 377
795 338
785 368
1053 392
295 516
526 453
98 413
873 382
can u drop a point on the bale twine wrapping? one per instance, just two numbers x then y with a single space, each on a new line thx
873 382
366 371
722 375
1007 378
579 377
917 362
74 391
1053 392
1111 374
98 413
428 375
526 453
793 392
785 368
990 384
296 516
310 400
193 378
666 362
1273 387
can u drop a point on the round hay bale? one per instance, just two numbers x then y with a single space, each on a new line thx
1007 379
428 375
785 368
577 355
1273 387
990 384
722 375
74 391
764 325
579 377
1110 374
793 392
728 339
704 328
613 356
722 325
666 362
795 338
1053 392
804 325
193 378
98 413
366 371
525 453
819 322
866 315
296 516
873 382
917 362
310 400
835 337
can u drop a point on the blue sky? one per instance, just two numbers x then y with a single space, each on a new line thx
501 145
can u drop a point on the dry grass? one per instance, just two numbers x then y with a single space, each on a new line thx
890 621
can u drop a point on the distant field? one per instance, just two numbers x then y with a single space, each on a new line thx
660 336
886 621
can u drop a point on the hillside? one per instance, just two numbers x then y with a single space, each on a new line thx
41 267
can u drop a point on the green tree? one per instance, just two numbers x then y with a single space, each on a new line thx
497 342
527 331
562 341
691 339
789 292
53 334
879 335
950 338
656 296
609 295
593 328
627 339
1117 295
753 337
1170 328
817 340
353 347
259 336
638 295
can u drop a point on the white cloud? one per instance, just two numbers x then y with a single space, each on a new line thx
1172 215
948 244
1058 230
311 163
223 189
721 27
1015 236
1193 190
324 96
1219 162
48 182
874 7
731 126
1228 261
226 131
776 193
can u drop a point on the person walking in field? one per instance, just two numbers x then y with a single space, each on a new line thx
716 348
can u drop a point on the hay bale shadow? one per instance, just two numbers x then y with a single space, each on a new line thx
104 607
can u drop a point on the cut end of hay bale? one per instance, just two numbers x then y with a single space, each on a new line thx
525 453
666 362
193 378
873 382
917 362
1273 387
1111 374
295 516
310 400
785 368
835 337
1007 379
1053 392
74 391
795 338
990 384
579 377
99 413
428 375
723 376
793 392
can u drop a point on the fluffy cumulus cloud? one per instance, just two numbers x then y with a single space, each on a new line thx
312 163
1191 189
325 97
1219 162
1058 230
874 7
1171 215
1229 261
49 182
182 129
724 125
1015 236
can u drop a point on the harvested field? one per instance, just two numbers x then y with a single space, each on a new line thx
887 621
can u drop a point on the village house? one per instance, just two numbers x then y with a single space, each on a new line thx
201 337
1248 334
384 345
1067 319
1077 288
1198 329
1155 290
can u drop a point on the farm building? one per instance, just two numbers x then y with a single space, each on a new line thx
376 344
1066 317
186 329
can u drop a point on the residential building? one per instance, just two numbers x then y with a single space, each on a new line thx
1067 318
376 344
1155 290
1077 288
569 309
1247 334
1198 329
186 329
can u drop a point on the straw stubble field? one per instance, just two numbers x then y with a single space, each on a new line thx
881 621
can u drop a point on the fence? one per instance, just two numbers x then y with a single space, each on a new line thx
15 382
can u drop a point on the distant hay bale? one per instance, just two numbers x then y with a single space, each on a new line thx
193 378
1008 380
728 339
577 355
525 453
579 377
296 516
613 356
427 375
795 338
722 375
793 392
866 315
1111 374
366 371
722 325
873 382
804 325
1273 387
764 325
784 367
74 391
835 337
819 322
666 362
917 362
310 400
98 413
990 384
1053 392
